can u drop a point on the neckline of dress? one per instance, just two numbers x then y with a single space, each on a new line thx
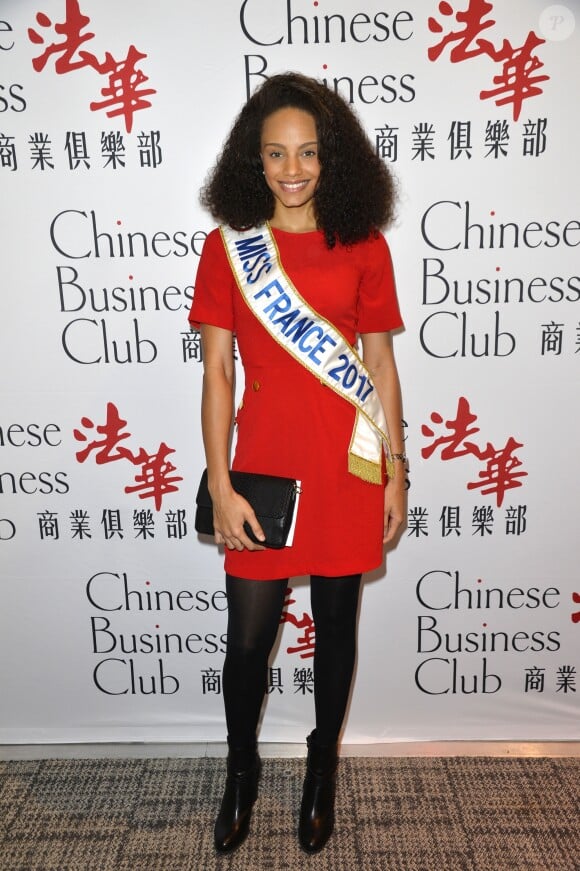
293 233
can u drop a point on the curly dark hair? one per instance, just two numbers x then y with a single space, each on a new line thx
355 196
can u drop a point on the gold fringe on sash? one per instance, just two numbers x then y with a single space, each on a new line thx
365 469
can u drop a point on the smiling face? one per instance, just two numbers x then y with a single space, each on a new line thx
289 152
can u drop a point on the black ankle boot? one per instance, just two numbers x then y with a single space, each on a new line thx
233 821
317 809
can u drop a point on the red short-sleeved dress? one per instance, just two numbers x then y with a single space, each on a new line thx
288 422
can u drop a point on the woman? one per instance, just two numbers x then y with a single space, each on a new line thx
298 170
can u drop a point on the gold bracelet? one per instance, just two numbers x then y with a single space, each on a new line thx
401 457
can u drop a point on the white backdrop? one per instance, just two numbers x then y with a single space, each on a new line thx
113 611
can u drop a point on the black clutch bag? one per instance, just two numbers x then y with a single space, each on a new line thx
272 498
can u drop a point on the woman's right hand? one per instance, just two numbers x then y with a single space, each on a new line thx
230 512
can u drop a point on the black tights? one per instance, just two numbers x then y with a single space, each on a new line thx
254 611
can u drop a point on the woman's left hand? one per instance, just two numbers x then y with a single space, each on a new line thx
394 509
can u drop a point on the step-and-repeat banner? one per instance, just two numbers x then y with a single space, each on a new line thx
113 612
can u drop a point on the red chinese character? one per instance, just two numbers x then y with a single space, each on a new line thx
71 29
516 79
108 446
123 93
456 446
499 474
472 18
153 482
576 614
306 641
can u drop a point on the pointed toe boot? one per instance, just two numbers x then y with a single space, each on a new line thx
317 808
241 790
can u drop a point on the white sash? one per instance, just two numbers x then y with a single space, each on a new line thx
312 340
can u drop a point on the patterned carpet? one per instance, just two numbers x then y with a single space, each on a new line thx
396 814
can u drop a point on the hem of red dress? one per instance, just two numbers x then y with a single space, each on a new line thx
304 572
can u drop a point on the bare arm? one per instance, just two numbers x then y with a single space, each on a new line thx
379 359
230 509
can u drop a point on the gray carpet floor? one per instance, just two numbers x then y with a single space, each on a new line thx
396 814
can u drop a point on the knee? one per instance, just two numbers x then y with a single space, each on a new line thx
340 624
247 651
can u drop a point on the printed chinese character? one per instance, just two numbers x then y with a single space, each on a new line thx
387 143
143 523
211 681
460 427
474 25
417 522
76 149
108 447
552 338
534 680
450 520
8 153
191 346
482 520
275 680
113 148
175 524
306 642
422 141
515 520
123 95
566 679
40 151
48 525
153 481
516 81
111 523
150 153
497 136
80 524
534 137
71 29
500 472
460 139
303 681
